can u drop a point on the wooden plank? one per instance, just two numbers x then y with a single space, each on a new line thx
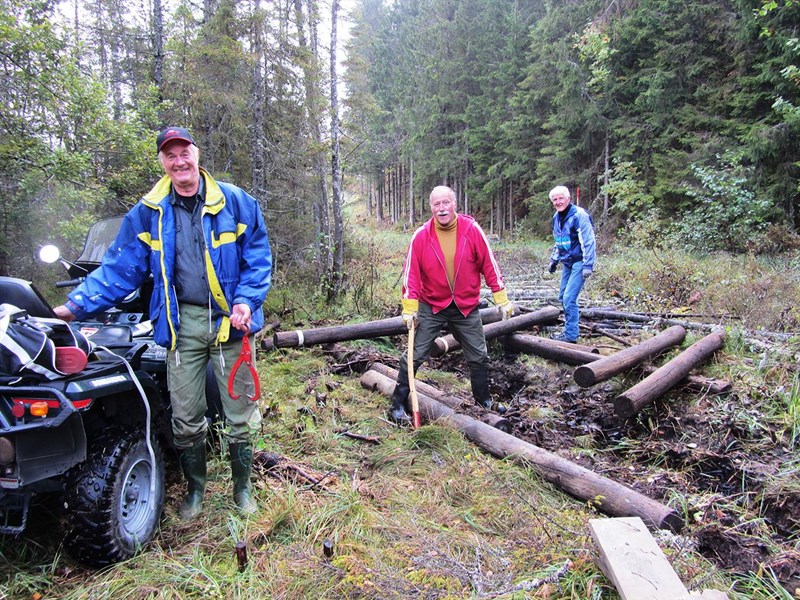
632 560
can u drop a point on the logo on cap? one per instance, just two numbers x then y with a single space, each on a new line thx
173 133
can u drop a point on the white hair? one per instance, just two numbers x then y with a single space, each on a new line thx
443 188
560 190
195 151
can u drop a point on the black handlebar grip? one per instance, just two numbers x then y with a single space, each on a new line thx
69 282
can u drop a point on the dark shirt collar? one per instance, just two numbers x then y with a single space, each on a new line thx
200 196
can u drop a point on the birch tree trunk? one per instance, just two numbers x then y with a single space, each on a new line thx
336 173
158 49
259 163
313 100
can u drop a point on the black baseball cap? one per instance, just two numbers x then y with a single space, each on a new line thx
173 133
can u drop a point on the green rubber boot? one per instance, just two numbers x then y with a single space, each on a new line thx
193 465
241 454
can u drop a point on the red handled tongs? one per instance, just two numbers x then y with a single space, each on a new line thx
249 385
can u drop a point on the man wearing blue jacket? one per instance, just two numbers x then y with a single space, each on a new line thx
206 246
575 249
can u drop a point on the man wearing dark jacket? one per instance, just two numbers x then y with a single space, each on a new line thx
206 246
574 248
441 287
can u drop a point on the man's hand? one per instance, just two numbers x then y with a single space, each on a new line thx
553 266
240 317
504 305
63 313
506 310
410 319
586 274
410 308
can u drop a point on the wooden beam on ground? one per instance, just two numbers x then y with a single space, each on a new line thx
452 402
355 331
601 313
551 350
646 391
698 383
548 314
570 354
589 374
632 560
609 496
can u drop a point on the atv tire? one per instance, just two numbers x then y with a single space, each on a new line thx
111 510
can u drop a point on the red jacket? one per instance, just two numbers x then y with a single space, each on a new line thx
425 277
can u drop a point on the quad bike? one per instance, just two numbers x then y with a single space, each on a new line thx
95 437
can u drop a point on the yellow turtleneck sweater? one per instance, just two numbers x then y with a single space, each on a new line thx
446 235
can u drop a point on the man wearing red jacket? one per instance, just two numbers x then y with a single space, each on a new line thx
441 287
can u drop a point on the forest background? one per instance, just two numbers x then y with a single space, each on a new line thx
676 122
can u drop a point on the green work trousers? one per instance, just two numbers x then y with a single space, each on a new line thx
186 377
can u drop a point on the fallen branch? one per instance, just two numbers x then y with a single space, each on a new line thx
362 438
275 465
529 586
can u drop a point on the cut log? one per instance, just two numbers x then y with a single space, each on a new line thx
698 383
600 313
589 374
646 391
546 348
609 496
548 314
549 349
355 331
453 402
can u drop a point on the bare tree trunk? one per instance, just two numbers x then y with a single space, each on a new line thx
336 174
77 22
322 237
158 49
369 195
511 217
379 201
117 28
605 182
411 210
259 170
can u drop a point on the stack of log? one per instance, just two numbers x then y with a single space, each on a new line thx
591 367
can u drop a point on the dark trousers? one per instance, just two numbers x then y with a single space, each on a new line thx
467 330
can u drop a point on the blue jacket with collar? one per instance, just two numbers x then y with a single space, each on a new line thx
574 238
238 260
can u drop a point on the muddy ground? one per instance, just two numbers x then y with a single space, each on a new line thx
718 451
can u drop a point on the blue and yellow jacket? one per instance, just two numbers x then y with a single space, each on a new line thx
238 260
574 238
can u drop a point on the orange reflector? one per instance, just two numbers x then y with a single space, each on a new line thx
39 409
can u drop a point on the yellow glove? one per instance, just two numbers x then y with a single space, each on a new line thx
410 308
504 305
